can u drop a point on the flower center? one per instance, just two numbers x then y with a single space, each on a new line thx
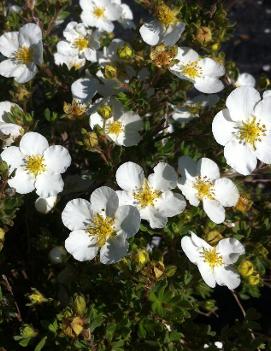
251 131
146 195
165 15
35 164
81 43
204 188
75 109
212 258
163 56
99 12
102 228
24 55
191 70
115 127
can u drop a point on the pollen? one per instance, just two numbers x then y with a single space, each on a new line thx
146 196
212 258
115 127
24 55
99 12
166 15
35 164
191 70
204 188
251 132
102 227
81 43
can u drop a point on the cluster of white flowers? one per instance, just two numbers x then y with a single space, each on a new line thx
112 217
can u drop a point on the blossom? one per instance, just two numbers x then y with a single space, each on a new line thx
120 126
244 129
10 131
45 205
214 263
100 13
152 196
37 165
166 28
24 51
200 181
81 43
99 225
204 73
245 80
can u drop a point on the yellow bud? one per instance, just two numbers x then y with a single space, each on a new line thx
246 268
36 297
216 47
244 204
105 111
142 256
125 52
213 237
77 325
80 305
2 238
28 331
254 279
110 71
204 34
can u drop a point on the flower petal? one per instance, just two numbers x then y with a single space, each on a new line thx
13 157
104 199
127 220
223 127
130 176
22 182
84 89
114 249
207 274
9 43
24 73
190 249
225 276
45 205
240 157
241 102
124 198
208 85
245 79
173 34
81 245
230 249
226 192
208 168
170 204
214 210
77 214
152 215
30 34
5 108
187 167
211 68
150 32
263 111
164 177
33 143
49 184
57 158
263 149
189 191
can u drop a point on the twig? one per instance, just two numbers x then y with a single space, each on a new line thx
9 288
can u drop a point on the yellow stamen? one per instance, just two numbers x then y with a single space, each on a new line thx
204 188
146 196
102 227
35 164
191 70
166 15
115 127
24 55
81 43
251 132
212 258
99 12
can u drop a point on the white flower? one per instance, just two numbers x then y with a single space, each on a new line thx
126 17
10 131
84 89
100 14
244 129
99 225
204 73
62 58
24 51
152 196
120 126
266 94
245 80
214 263
45 205
81 43
200 181
37 165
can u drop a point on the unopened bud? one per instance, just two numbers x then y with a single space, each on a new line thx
246 268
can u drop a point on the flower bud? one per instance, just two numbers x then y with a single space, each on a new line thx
142 256
158 269
79 305
36 297
57 254
77 325
204 34
110 71
246 268
213 237
244 204
254 279
90 139
45 205
105 111
2 238
28 332
125 52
